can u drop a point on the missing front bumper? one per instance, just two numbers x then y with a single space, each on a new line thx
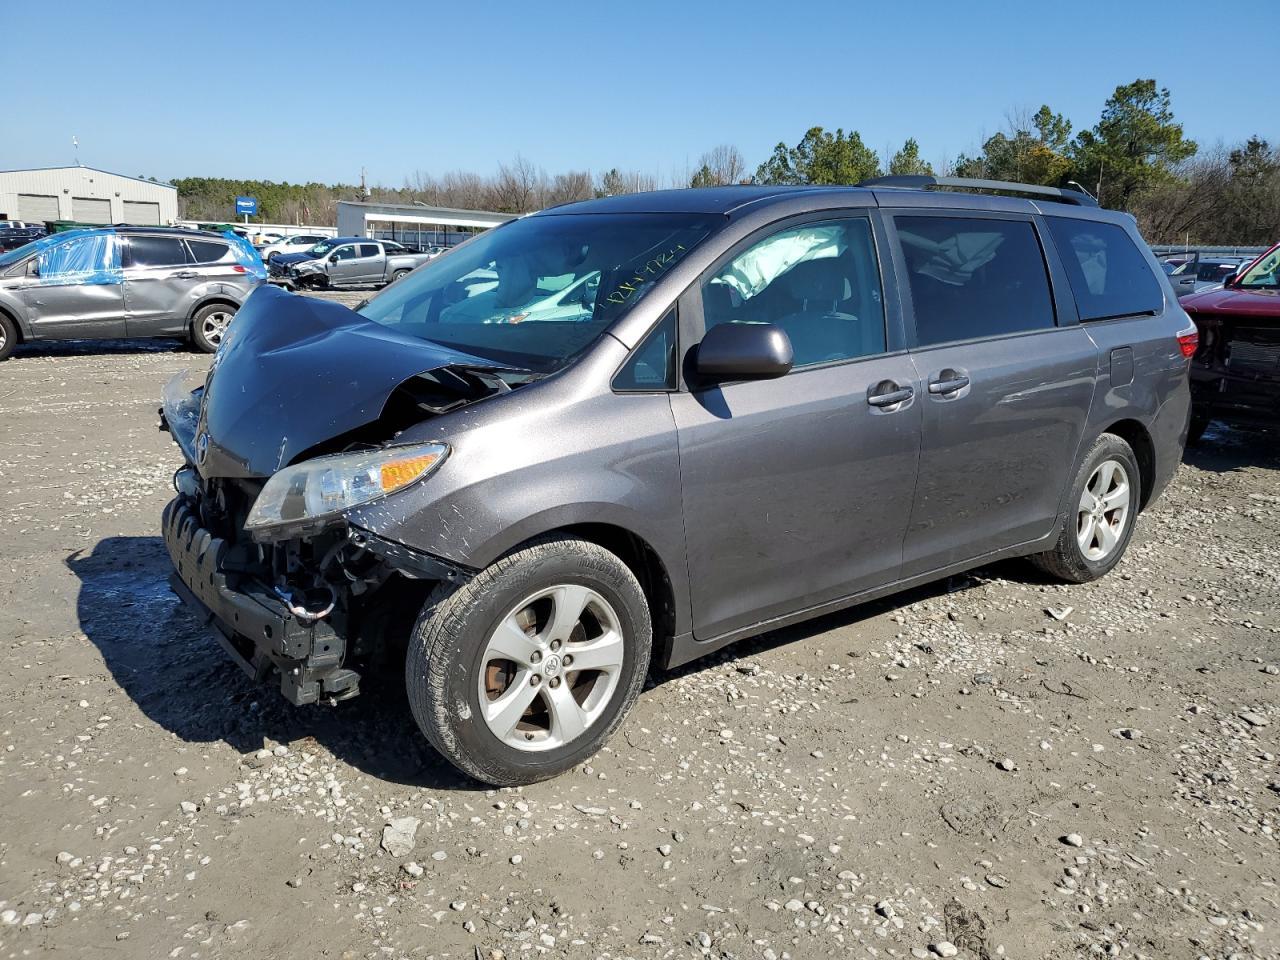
251 623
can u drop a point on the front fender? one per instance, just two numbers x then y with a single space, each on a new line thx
13 306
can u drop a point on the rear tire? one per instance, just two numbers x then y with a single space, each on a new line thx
210 325
1102 509
8 337
555 605
399 275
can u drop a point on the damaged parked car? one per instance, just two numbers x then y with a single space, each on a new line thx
345 262
125 282
633 430
1235 374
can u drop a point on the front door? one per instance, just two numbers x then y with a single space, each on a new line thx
344 267
157 281
1005 389
77 290
796 491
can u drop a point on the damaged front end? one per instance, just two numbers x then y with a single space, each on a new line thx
301 420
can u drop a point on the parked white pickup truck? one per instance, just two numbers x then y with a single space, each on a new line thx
345 262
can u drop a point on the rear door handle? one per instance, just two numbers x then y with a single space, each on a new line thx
948 385
892 394
183 275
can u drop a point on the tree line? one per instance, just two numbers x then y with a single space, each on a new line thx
1136 157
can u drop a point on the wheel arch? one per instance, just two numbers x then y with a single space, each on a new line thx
17 323
1135 433
213 299
641 559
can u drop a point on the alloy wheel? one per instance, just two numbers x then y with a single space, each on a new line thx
1103 510
214 326
550 668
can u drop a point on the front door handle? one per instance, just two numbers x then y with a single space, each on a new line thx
950 384
888 394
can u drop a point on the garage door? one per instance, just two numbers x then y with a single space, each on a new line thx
142 213
37 208
85 210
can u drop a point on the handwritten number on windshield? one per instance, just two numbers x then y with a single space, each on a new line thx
650 271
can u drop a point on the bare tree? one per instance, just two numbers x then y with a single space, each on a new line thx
724 164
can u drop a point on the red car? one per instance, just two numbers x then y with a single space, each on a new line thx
1235 375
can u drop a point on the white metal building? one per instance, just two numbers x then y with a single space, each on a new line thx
365 219
85 195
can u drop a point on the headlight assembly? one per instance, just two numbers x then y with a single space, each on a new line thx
327 486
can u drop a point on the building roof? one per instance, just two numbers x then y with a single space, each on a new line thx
72 166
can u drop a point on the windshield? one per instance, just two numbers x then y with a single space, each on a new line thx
16 254
536 292
1265 272
323 247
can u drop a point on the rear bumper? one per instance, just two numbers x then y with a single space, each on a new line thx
254 626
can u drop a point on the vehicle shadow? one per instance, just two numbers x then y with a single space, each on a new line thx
172 668
1225 448
87 348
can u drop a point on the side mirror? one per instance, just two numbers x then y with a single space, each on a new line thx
744 351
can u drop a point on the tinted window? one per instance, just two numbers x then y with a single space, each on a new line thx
1109 276
653 365
156 252
819 282
207 251
974 278
369 250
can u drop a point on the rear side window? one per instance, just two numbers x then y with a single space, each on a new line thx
156 252
207 251
1109 276
369 250
973 278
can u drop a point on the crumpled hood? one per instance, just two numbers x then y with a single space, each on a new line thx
284 259
1233 301
297 371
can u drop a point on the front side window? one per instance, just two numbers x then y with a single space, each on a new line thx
1109 277
80 258
1265 272
653 364
536 292
973 278
156 252
818 282
345 253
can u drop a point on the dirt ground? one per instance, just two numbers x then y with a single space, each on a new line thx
993 765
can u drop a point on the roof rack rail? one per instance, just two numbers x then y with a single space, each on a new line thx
923 182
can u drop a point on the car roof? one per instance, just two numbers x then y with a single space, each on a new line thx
730 201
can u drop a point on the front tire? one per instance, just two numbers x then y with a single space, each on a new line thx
1102 510
8 337
210 325
524 671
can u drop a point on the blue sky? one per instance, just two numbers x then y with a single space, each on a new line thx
314 89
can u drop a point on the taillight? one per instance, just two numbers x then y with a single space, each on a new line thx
238 268
1188 341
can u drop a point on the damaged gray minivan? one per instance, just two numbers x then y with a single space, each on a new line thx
636 429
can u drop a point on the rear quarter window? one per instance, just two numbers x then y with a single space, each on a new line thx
207 251
1108 274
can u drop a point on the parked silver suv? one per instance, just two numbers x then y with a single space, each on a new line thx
750 406
125 282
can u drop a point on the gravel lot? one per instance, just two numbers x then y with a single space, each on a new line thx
989 767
